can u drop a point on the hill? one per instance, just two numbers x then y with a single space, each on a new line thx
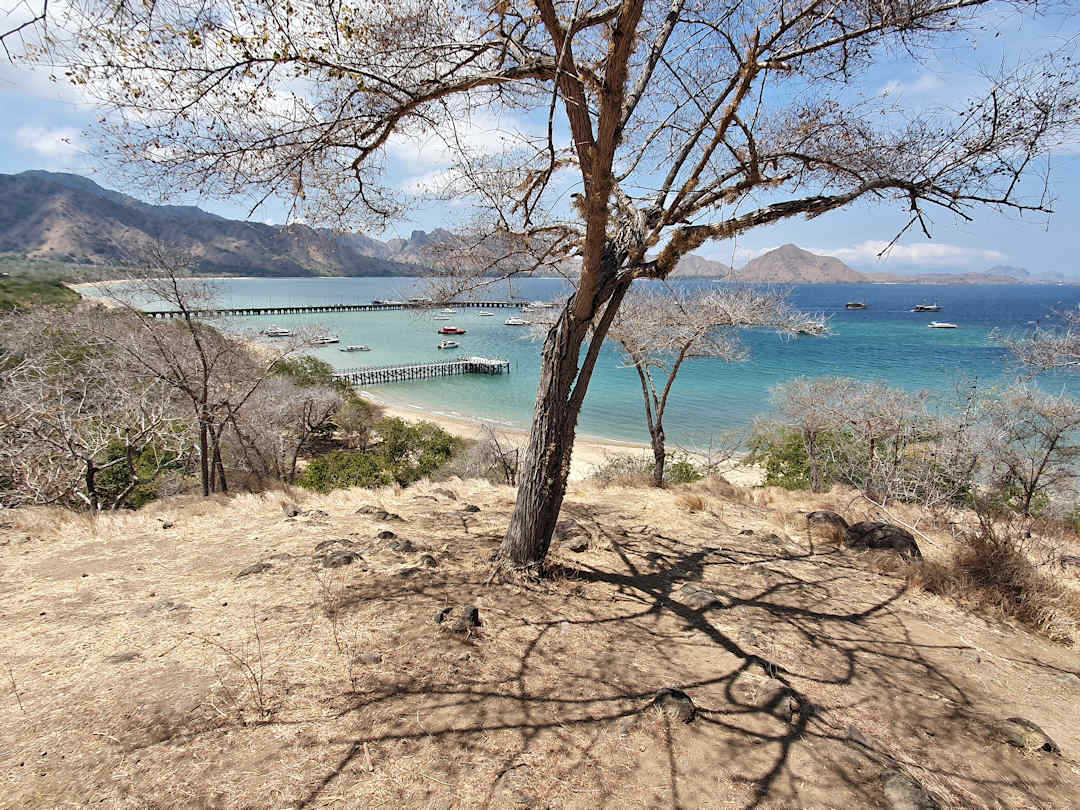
200 653
789 264
694 266
71 219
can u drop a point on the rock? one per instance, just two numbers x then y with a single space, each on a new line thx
695 597
1024 734
425 498
317 514
468 619
774 539
368 509
578 543
826 526
327 545
871 535
382 514
462 619
368 659
428 561
674 703
167 524
254 568
291 509
385 534
401 546
470 507
339 559
446 493
904 792
627 723
122 658
746 532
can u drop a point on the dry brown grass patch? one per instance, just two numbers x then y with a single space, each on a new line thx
691 502
990 572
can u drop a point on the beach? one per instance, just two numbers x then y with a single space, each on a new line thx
590 453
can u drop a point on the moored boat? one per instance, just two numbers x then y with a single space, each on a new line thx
326 340
451 330
277 331
361 348
941 325
926 308
448 344
512 321
485 314
854 305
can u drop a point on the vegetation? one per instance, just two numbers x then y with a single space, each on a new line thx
629 470
15 264
18 293
402 454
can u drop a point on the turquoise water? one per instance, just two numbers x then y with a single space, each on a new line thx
885 342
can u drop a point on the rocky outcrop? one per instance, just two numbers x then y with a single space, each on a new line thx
870 535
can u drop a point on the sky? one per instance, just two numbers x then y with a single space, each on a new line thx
48 126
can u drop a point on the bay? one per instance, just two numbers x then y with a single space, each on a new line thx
884 342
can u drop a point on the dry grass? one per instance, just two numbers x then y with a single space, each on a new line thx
991 572
691 502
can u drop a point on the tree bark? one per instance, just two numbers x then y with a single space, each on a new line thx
659 455
542 484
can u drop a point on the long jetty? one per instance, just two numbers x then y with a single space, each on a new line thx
381 306
373 375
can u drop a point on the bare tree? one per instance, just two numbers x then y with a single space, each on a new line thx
659 331
1047 349
679 121
1032 443
813 407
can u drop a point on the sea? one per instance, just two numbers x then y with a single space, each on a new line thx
712 400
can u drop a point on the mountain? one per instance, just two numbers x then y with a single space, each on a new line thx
694 266
789 264
69 218
1009 270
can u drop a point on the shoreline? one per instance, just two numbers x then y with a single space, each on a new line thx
590 452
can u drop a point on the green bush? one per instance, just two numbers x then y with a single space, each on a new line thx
783 455
307 371
113 480
404 453
679 470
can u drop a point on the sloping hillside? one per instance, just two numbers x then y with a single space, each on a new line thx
789 264
207 654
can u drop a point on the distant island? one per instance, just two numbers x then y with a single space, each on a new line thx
65 220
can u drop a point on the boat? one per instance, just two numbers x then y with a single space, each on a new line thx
515 322
485 314
440 317
420 300
375 302
448 344
361 348
926 308
451 330
323 341
540 304
854 305
941 325
448 311
276 331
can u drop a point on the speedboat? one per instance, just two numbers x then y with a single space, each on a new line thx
540 304
854 305
515 322
440 317
941 325
448 311
276 331
926 308
324 341
362 348
485 314
451 330
448 344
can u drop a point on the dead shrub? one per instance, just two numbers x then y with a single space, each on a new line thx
691 502
991 572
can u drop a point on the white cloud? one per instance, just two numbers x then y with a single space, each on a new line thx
56 145
921 254
926 83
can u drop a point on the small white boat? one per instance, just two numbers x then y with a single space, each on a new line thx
485 314
276 331
324 341
448 344
927 308
361 348
448 311
440 317
540 304
941 325
515 322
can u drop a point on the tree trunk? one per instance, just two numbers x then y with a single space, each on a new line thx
542 483
659 455
811 456
204 454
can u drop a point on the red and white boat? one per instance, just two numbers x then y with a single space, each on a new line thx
451 330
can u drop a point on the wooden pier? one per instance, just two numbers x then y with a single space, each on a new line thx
373 375
380 307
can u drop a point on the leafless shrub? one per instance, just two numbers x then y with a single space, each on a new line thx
494 457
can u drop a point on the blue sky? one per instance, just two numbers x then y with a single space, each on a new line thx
46 126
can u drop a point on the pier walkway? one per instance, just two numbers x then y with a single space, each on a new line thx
373 375
373 307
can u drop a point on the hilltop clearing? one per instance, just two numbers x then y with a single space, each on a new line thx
228 653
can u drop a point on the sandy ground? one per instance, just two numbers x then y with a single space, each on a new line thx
589 452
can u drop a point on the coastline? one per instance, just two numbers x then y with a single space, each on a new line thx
590 452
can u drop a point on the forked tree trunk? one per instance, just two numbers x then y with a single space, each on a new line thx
542 483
